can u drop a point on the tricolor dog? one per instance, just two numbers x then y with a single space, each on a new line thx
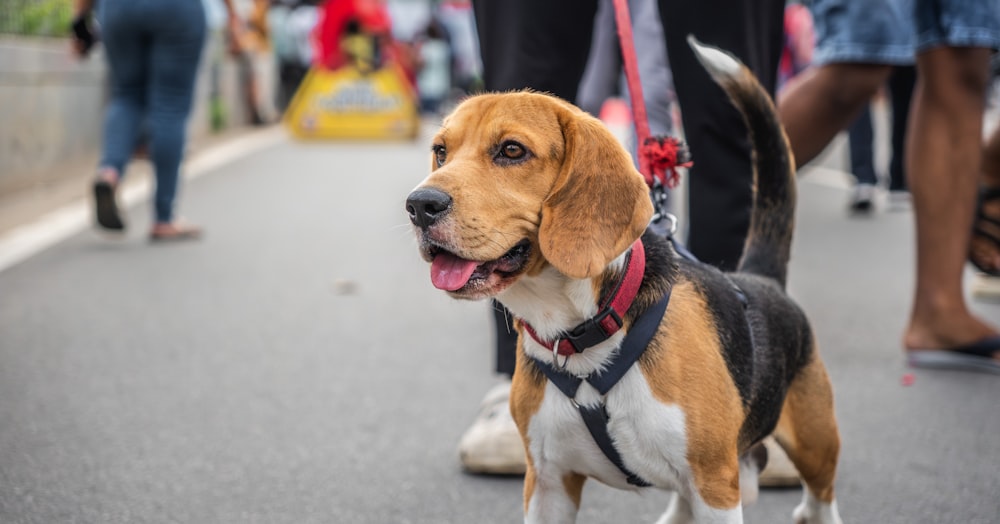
635 366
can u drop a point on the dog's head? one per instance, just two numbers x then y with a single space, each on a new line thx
520 181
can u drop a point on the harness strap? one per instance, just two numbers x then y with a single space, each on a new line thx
596 417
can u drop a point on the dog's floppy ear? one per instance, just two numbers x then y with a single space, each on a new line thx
599 203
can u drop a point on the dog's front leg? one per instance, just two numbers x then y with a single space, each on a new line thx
684 511
550 497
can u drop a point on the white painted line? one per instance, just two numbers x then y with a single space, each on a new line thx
29 239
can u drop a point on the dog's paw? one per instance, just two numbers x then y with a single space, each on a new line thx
811 511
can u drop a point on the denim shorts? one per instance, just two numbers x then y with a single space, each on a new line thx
892 31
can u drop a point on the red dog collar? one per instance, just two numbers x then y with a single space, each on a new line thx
608 320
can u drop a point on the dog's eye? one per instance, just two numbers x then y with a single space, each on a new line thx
511 153
440 154
512 150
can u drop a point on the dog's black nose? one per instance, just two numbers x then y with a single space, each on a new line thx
427 205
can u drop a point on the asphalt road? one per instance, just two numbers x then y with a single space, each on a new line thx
297 366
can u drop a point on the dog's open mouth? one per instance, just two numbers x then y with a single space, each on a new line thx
453 273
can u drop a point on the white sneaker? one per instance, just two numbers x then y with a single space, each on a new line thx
492 444
862 198
779 472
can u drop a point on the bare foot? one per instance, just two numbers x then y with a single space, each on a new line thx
947 330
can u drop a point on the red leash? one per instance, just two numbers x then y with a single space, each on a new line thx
659 156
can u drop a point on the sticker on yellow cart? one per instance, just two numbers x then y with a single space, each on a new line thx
349 103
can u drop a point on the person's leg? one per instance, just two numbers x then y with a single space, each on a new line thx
178 38
943 161
901 96
861 140
532 44
127 50
823 101
720 180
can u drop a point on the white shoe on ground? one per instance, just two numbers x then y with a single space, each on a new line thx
779 472
492 445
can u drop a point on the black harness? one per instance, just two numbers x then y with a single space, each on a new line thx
596 417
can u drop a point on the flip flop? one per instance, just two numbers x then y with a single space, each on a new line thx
180 234
108 216
974 356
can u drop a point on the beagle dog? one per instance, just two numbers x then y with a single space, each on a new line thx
635 366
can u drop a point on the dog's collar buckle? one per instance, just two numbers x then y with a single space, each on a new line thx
608 320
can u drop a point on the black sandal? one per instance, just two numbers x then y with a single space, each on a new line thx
108 216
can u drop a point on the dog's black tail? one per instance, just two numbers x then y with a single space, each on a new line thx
769 241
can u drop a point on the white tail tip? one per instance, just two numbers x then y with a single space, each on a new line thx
718 62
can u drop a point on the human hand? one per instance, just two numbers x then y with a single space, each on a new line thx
83 38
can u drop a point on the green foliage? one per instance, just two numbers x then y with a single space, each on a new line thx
36 17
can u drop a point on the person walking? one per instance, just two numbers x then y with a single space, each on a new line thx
951 42
153 48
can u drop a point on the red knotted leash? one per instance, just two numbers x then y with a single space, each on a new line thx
659 156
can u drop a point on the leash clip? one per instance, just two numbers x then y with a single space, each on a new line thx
658 193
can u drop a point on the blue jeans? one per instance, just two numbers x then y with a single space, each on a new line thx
153 48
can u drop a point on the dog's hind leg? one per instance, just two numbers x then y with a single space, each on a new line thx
807 430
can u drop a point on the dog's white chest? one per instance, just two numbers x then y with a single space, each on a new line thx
649 435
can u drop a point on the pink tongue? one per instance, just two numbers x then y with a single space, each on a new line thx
449 272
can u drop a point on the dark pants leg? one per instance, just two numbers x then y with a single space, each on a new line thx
901 92
720 180
542 45
860 137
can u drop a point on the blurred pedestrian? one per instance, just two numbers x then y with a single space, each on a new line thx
291 24
153 49
544 45
952 41
861 137
434 67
